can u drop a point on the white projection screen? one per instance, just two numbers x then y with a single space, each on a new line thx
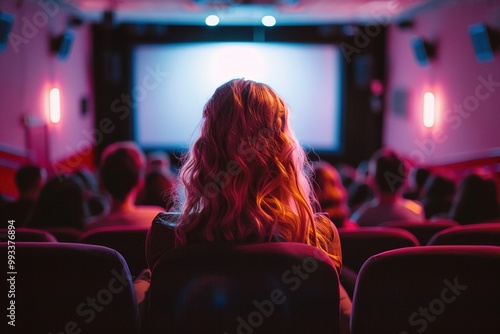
172 83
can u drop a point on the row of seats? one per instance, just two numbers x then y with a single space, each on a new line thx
259 288
357 245
128 241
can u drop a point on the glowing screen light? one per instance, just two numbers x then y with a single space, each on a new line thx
212 20
268 21
168 113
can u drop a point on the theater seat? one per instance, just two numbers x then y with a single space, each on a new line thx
475 234
64 234
424 230
260 288
25 234
130 242
358 245
429 289
68 288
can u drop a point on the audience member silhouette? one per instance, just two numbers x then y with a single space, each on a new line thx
437 196
95 200
387 173
476 200
60 204
245 181
122 175
158 190
159 160
29 180
347 174
416 181
331 194
359 191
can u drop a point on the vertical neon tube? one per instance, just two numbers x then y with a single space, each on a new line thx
429 110
54 105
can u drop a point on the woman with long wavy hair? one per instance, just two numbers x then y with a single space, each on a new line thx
244 179
244 176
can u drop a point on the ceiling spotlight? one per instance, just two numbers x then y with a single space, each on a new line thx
268 21
212 20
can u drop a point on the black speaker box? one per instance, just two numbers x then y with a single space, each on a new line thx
484 41
61 45
6 23
423 51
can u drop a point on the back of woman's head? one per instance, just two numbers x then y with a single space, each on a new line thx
243 177
60 204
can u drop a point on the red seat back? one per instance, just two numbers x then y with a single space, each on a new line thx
429 289
358 245
130 242
25 234
424 230
68 288
64 234
475 234
278 287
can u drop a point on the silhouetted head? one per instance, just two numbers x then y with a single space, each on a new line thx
437 196
388 171
439 186
158 190
29 179
416 181
476 200
330 192
122 169
60 204
158 160
96 201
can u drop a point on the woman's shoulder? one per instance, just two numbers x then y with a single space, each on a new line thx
161 236
166 219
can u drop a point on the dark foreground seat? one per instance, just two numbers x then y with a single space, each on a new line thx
129 241
67 288
429 289
25 234
259 288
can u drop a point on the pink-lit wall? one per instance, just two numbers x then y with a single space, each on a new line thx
28 69
457 80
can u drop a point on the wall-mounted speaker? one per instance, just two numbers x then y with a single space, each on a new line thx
399 102
484 41
61 45
405 24
6 23
423 51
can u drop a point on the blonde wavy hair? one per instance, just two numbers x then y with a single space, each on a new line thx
244 177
